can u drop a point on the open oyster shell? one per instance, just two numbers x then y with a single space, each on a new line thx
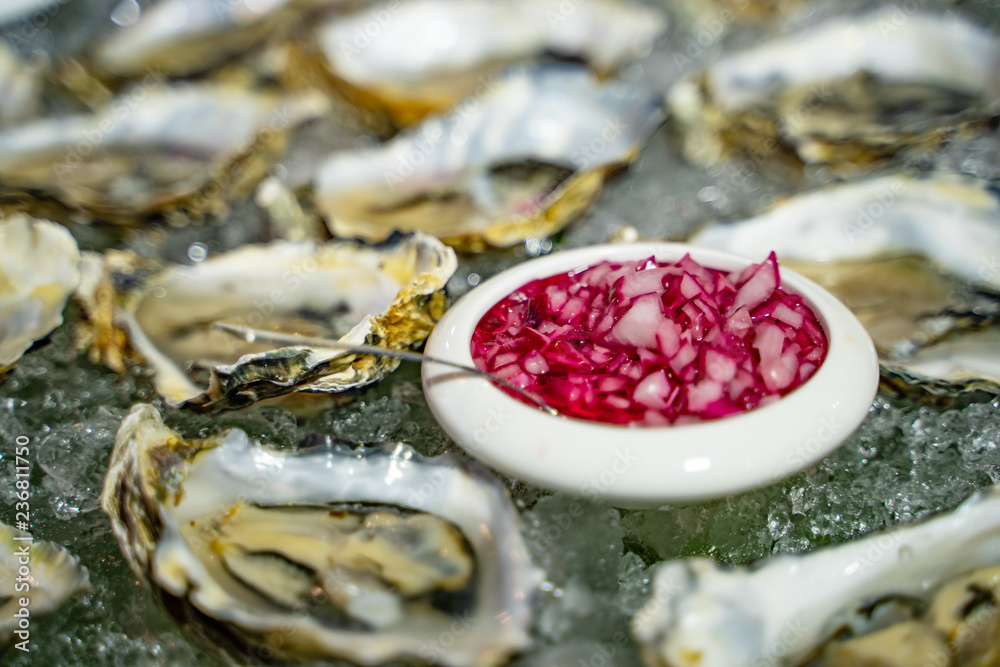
783 610
492 172
184 37
38 273
369 555
389 295
915 259
418 57
53 576
847 92
153 148
20 86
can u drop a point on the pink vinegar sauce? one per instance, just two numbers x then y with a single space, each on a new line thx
652 343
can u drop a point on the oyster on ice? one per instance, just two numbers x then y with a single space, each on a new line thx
916 259
20 87
495 171
53 576
368 555
389 295
418 57
783 610
39 269
154 147
184 37
848 92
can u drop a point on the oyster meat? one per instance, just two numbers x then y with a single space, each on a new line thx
783 610
153 147
39 269
389 295
916 259
424 56
368 555
53 576
848 92
493 172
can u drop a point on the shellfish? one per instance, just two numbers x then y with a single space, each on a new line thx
388 295
494 171
368 555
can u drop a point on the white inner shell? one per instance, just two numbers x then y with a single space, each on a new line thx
906 48
954 223
239 471
778 612
289 287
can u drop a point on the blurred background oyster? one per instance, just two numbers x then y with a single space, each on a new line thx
38 273
366 555
494 171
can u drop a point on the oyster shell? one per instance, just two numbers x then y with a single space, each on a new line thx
423 56
152 148
388 295
38 273
781 611
492 172
848 92
20 87
915 259
53 577
184 37
369 555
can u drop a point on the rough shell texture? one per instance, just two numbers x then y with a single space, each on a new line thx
389 295
141 154
848 92
492 172
244 542
38 273
780 611
55 575
423 56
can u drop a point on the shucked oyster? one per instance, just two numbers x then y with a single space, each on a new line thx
182 37
388 295
781 611
849 91
369 555
915 259
43 573
153 147
38 273
524 161
424 56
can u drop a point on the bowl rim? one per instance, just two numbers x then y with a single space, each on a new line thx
633 466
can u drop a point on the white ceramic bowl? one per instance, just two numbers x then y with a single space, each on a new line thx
648 466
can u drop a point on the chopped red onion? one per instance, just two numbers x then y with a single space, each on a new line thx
653 343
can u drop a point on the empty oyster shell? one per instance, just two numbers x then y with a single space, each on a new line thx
847 92
53 576
152 148
493 172
389 295
915 259
424 56
38 273
781 611
369 555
